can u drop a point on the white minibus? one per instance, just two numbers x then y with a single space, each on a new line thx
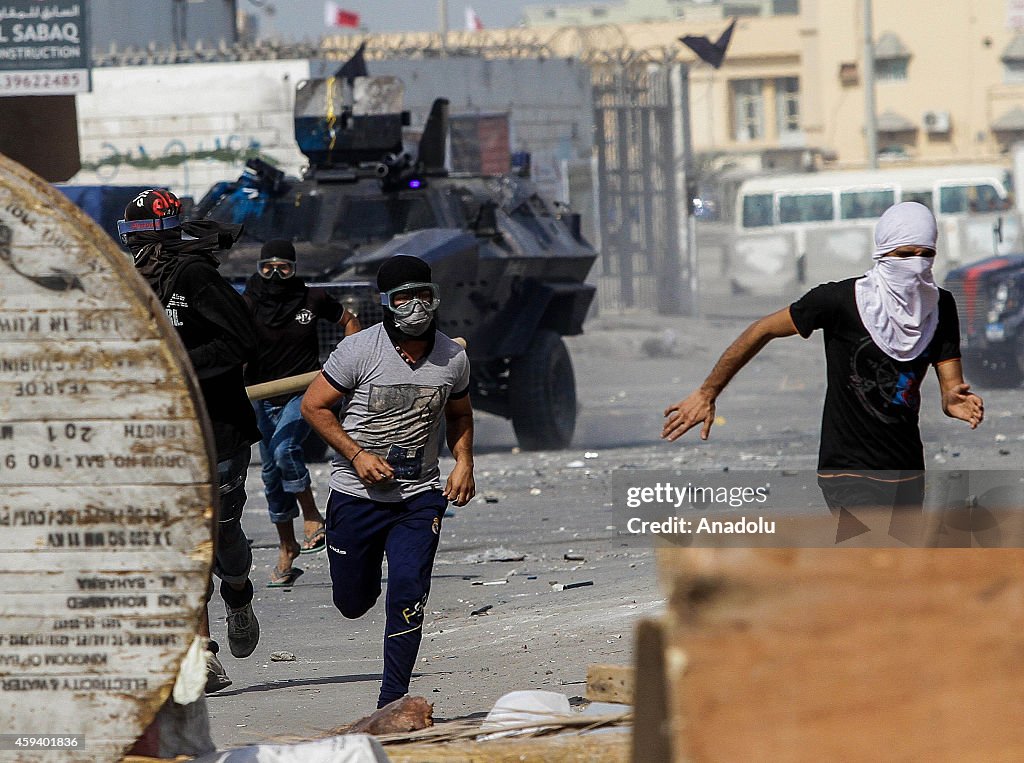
795 231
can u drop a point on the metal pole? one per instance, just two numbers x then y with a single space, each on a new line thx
692 302
442 9
870 123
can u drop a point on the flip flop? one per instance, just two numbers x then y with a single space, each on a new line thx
315 542
284 579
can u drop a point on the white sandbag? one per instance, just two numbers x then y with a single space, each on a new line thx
524 707
191 673
351 748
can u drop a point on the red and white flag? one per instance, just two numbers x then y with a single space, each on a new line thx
473 22
335 15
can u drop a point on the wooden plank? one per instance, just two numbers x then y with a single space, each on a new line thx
41 324
603 747
102 452
91 376
107 497
847 654
610 683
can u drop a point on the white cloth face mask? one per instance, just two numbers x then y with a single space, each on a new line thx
898 303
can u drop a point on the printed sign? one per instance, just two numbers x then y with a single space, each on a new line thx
44 47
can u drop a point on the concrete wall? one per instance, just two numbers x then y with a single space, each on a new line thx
187 126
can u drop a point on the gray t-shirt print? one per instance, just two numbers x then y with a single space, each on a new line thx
394 410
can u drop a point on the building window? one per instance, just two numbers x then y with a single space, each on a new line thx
741 9
786 7
891 58
893 151
1013 72
891 69
1013 60
787 105
748 109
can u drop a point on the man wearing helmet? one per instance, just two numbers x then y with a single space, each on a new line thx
397 379
214 325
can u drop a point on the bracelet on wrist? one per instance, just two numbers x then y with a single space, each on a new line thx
355 455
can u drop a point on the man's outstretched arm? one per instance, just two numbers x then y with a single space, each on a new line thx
958 402
700 405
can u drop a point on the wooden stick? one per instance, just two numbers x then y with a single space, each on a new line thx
651 729
285 386
291 384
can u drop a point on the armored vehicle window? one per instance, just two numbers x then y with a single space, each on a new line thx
464 207
534 215
371 218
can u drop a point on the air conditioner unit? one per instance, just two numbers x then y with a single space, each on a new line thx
936 121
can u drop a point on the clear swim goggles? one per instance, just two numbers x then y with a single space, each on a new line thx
281 268
402 299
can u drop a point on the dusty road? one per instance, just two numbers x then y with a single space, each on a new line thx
545 506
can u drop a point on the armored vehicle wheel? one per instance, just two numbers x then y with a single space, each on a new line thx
997 371
542 394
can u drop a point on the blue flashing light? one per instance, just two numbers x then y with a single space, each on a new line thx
414 183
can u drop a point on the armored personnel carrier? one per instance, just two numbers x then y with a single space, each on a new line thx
511 267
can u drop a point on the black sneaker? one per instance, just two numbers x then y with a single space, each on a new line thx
243 630
216 676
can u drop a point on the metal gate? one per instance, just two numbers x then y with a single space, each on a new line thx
639 188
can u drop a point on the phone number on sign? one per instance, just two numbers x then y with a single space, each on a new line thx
40 81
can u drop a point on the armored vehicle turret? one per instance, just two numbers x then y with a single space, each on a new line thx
511 267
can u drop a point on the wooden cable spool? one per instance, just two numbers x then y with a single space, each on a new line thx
108 493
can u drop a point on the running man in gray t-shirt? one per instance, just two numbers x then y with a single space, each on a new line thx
395 382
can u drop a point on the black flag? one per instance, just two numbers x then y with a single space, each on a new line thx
711 52
354 67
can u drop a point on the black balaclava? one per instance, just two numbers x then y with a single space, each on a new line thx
276 300
160 255
395 271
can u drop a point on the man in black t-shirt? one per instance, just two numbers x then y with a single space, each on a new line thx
882 332
211 319
285 312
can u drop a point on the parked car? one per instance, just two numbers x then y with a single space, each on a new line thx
990 299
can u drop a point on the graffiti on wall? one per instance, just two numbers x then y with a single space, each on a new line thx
232 149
